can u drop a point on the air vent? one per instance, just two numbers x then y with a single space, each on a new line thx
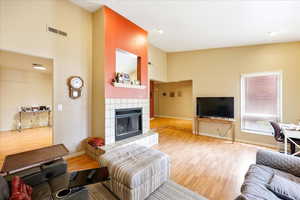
56 31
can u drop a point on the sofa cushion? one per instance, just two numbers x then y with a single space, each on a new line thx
32 176
59 182
4 189
41 192
286 163
54 168
256 179
284 188
133 165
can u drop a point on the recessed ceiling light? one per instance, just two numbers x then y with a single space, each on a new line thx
38 67
160 31
273 33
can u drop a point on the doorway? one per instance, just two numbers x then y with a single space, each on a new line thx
26 96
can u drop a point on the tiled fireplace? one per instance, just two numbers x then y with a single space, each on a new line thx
117 94
112 105
128 123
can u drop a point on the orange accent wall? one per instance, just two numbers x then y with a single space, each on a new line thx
123 34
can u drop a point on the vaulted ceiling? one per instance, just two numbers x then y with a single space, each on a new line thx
201 24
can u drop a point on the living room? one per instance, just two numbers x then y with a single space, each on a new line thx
243 57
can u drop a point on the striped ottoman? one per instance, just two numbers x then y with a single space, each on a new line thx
135 171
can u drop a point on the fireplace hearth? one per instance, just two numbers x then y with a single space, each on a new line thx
128 123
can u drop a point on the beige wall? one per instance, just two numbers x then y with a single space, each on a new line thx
23 29
178 106
98 100
158 68
217 72
23 88
21 85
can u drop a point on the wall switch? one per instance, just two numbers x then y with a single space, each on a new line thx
59 107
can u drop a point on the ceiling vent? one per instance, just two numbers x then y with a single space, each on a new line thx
56 31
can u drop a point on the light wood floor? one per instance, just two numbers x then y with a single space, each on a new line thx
211 167
28 139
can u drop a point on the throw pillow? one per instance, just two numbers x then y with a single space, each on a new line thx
284 188
20 191
96 142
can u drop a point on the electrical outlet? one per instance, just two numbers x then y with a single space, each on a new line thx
59 107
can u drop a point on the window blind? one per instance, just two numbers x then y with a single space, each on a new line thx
261 101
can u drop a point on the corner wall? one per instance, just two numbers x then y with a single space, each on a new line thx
158 67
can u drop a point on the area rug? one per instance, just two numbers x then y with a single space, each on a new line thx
168 191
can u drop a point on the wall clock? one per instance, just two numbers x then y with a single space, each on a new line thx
75 84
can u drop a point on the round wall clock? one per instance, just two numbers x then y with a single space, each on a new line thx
75 84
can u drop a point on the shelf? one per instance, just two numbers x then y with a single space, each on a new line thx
122 85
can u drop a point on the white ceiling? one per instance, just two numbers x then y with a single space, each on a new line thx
202 24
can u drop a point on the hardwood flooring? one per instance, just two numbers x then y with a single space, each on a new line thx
211 167
28 139
81 163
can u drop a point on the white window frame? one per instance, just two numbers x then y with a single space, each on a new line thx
280 98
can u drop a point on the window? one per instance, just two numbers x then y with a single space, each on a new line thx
261 101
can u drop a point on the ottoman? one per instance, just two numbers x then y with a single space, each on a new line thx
135 171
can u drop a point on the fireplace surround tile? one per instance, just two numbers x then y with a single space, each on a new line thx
111 104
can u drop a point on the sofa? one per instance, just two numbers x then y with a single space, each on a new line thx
275 176
45 180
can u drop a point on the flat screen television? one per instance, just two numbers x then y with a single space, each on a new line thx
215 107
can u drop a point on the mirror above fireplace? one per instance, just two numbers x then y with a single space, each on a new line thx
127 63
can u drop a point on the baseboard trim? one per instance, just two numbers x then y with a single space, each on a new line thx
215 136
256 143
75 154
172 117
239 140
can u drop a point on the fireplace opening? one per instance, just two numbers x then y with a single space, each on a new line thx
128 123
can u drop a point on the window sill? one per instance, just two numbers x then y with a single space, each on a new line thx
256 132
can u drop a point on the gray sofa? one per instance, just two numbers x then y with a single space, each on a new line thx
45 180
260 182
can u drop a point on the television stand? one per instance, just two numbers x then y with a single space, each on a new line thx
230 122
